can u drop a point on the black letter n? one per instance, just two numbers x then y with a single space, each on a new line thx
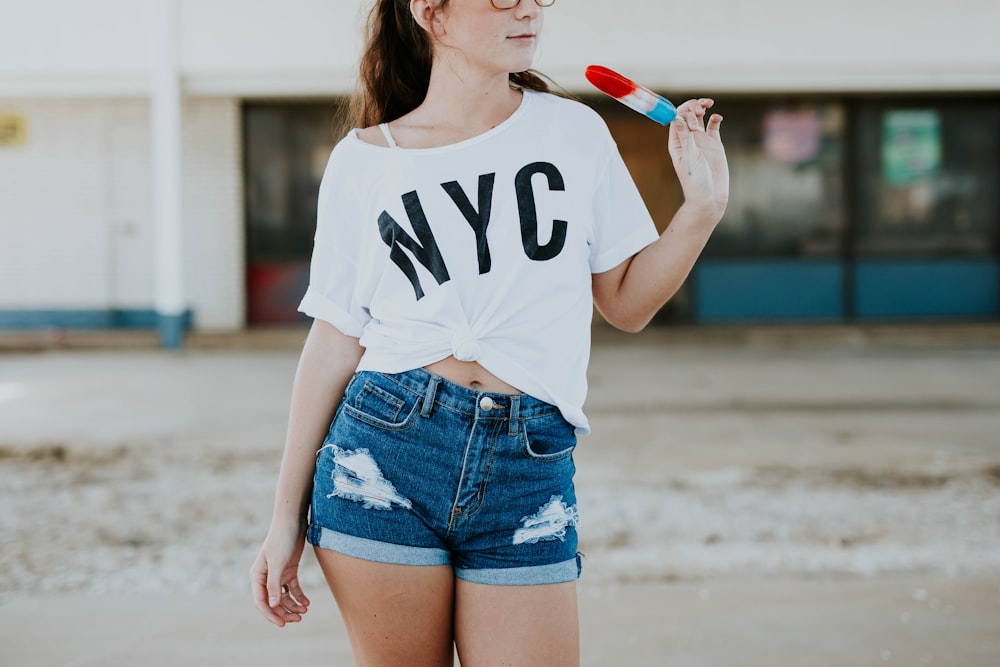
426 251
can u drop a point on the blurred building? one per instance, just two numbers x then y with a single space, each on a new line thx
159 159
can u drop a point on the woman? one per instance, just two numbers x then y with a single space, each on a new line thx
463 236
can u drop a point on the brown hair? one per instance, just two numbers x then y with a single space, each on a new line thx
396 67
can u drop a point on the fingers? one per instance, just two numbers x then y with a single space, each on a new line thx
690 118
693 111
299 596
287 610
701 104
714 123
279 604
258 588
288 607
293 600
679 133
682 146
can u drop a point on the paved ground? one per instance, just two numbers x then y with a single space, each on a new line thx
750 497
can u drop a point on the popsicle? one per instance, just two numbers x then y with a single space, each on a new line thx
631 94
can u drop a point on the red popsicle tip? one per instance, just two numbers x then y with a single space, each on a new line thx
609 81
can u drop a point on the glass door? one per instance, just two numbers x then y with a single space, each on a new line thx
286 147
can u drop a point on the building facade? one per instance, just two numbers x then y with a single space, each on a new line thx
159 159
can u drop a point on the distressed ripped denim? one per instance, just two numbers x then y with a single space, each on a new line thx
417 470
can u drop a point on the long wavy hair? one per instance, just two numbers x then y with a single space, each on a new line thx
396 67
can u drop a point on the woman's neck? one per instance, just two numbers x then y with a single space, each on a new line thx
466 99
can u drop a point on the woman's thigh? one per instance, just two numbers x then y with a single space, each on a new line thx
528 626
394 614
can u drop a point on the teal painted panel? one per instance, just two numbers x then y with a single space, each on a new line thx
84 319
928 289
769 290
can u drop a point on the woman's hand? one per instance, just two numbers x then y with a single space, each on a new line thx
699 158
274 578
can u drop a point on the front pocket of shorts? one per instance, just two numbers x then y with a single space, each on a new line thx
549 438
382 407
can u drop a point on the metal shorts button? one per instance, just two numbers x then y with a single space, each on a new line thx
486 404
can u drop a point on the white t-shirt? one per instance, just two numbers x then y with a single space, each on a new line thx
482 249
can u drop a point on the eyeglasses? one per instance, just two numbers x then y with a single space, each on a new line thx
511 4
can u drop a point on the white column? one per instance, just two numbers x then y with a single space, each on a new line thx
165 102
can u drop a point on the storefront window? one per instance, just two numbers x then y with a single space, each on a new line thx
928 178
786 193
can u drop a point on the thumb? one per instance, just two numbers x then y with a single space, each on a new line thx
273 588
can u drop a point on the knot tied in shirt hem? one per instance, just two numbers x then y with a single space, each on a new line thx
465 347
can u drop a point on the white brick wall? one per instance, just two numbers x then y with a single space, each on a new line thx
214 248
54 244
130 217
75 211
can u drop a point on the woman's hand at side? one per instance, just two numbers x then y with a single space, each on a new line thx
329 359
274 576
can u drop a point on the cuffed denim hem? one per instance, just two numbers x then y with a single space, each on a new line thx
381 552
557 573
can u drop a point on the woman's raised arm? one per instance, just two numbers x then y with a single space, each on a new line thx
630 294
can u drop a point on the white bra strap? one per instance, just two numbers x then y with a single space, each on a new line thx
388 135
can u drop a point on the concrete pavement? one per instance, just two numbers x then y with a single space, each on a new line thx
827 496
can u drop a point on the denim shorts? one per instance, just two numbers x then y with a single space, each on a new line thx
417 470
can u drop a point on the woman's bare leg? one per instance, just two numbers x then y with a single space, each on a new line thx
527 626
395 614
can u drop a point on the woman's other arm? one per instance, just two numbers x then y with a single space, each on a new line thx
329 359
629 295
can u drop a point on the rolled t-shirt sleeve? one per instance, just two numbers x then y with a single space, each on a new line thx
622 224
333 292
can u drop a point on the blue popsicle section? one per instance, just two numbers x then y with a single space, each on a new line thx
663 112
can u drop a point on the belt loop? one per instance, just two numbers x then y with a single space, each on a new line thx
514 416
428 406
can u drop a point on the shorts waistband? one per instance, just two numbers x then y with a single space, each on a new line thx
479 404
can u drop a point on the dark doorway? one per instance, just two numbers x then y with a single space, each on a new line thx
286 149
